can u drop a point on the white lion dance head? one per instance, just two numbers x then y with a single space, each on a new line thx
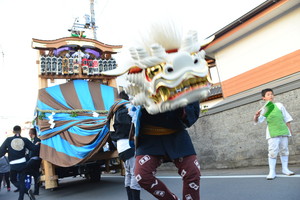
168 71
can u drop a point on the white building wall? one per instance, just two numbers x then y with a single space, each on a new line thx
209 104
268 43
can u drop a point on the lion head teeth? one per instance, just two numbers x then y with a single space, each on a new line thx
136 78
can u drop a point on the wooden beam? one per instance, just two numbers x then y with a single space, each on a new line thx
50 178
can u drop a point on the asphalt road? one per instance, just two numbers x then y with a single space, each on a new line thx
241 184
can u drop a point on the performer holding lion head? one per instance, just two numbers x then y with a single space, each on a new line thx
167 79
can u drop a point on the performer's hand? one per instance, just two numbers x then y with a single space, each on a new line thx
257 114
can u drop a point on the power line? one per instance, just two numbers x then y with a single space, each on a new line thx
104 7
2 52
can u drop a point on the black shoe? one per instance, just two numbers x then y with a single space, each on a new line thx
31 195
16 190
135 194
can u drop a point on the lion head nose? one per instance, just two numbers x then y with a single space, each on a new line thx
181 60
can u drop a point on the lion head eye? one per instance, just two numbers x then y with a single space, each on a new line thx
169 69
196 61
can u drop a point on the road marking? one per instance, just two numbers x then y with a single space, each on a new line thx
236 176
215 177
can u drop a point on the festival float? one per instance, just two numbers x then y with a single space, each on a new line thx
70 117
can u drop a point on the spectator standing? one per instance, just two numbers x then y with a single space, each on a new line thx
4 172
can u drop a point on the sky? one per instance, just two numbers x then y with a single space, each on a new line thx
117 22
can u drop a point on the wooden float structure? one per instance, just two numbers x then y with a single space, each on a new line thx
72 58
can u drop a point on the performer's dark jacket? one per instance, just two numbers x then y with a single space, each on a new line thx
34 161
122 126
35 153
16 154
165 134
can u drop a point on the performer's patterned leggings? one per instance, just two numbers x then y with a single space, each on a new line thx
188 168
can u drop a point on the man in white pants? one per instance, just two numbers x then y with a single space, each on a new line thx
278 131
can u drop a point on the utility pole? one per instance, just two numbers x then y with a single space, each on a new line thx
93 22
2 55
79 27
